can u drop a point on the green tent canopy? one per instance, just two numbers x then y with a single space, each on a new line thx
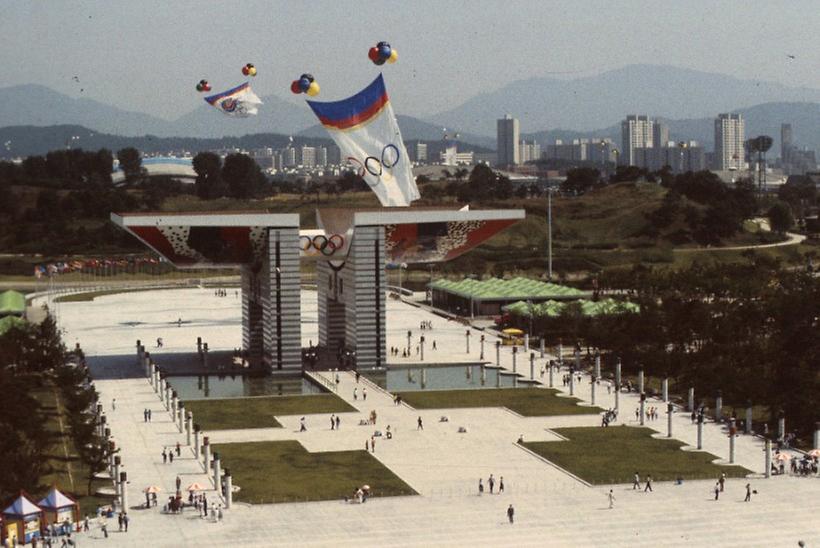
12 302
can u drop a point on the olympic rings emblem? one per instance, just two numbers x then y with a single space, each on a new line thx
378 167
326 245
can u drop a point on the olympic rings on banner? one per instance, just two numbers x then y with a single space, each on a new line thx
376 166
326 245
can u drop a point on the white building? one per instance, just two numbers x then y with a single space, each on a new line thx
636 132
529 152
507 145
729 136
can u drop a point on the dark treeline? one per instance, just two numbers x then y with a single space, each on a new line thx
750 329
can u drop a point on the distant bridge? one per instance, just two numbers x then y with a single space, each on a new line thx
178 168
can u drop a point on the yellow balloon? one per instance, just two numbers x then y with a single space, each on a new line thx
252 71
394 56
313 89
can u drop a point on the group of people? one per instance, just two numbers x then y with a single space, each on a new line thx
168 453
636 483
651 413
610 415
356 393
146 415
426 324
491 482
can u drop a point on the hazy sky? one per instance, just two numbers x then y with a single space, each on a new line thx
148 56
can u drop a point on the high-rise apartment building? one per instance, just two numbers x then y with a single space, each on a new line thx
660 134
508 137
321 156
786 137
636 132
729 136
529 152
307 156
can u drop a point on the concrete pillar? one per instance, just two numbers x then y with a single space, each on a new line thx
515 354
424 377
577 355
541 346
617 384
197 434
103 420
156 379
189 427
228 489
592 388
409 341
146 364
498 353
483 374
768 462
690 404
205 355
781 425
643 405
817 435
560 354
124 491
669 409
140 352
526 342
168 391
665 389
117 465
481 355
700 431
641 381
719 406
732 435
199 345
571 382
111 448
217 473
181 416
206 454
532 366
552 370
467 336
173 409
498 378
151 372
748 428
597 369
421 348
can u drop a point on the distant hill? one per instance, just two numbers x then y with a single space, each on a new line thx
602 100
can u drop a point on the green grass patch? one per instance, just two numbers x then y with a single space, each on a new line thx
284 471
529 402
260 412
613 455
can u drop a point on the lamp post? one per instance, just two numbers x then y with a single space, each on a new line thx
549 233
431 285
402 266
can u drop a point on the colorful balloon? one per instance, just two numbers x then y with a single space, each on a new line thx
308 77
313 89
304 84
394 56
379 61
294 87
384 51
373 54
203 85
252 71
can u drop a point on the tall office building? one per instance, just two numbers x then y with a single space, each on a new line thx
786 137
321 156
729 136
508 137
307 156
660 134
636 132
529 152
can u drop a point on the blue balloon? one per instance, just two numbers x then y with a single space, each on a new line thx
304 84
384 51
380 61
306 76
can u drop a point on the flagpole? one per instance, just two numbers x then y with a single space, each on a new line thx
549 233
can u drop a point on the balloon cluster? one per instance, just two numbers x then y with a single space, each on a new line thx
381 53
249 70
305 84
203 85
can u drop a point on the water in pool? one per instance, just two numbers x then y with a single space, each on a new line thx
447 377
198 387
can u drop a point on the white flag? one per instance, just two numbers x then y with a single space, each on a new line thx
239 102
365 129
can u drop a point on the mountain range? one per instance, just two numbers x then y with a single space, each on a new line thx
582 107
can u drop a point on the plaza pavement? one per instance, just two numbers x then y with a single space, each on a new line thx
443 466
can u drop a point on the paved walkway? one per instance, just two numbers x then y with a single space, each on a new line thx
552 508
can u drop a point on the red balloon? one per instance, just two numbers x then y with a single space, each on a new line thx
245 70
373 54
294 87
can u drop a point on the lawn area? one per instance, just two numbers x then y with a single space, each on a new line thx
613 455
260 412
529 402
64 465
284 471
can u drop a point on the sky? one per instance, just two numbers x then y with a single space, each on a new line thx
148 55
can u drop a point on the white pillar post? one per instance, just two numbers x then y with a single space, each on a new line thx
643 405
665 389
669 409
690 403
768 458
618 385
206 452
228 489
532 366
719 406
197 445
748 428
541 346
526 342
189 426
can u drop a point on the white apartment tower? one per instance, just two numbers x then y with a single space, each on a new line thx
729 137
508 138
636 132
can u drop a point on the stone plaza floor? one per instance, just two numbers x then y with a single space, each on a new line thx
552 508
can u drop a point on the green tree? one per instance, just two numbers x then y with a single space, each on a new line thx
781 217
242 175
130 163
580 180
209 183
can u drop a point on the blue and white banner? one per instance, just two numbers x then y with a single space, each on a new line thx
365 129
239 102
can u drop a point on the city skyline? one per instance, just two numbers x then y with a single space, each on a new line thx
441 63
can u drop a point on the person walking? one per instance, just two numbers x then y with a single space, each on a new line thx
364 393
333 422
511 514
164 456
120 520
355 394
420 425
648 484
372 444
149 415
171 457
302 425
636 481
748 492
145 415
104 528
179 449
480 486
179 483
717 490
500 485
125 520
366 446
114 404
611 497
722 480
85 524
338 422
491 483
